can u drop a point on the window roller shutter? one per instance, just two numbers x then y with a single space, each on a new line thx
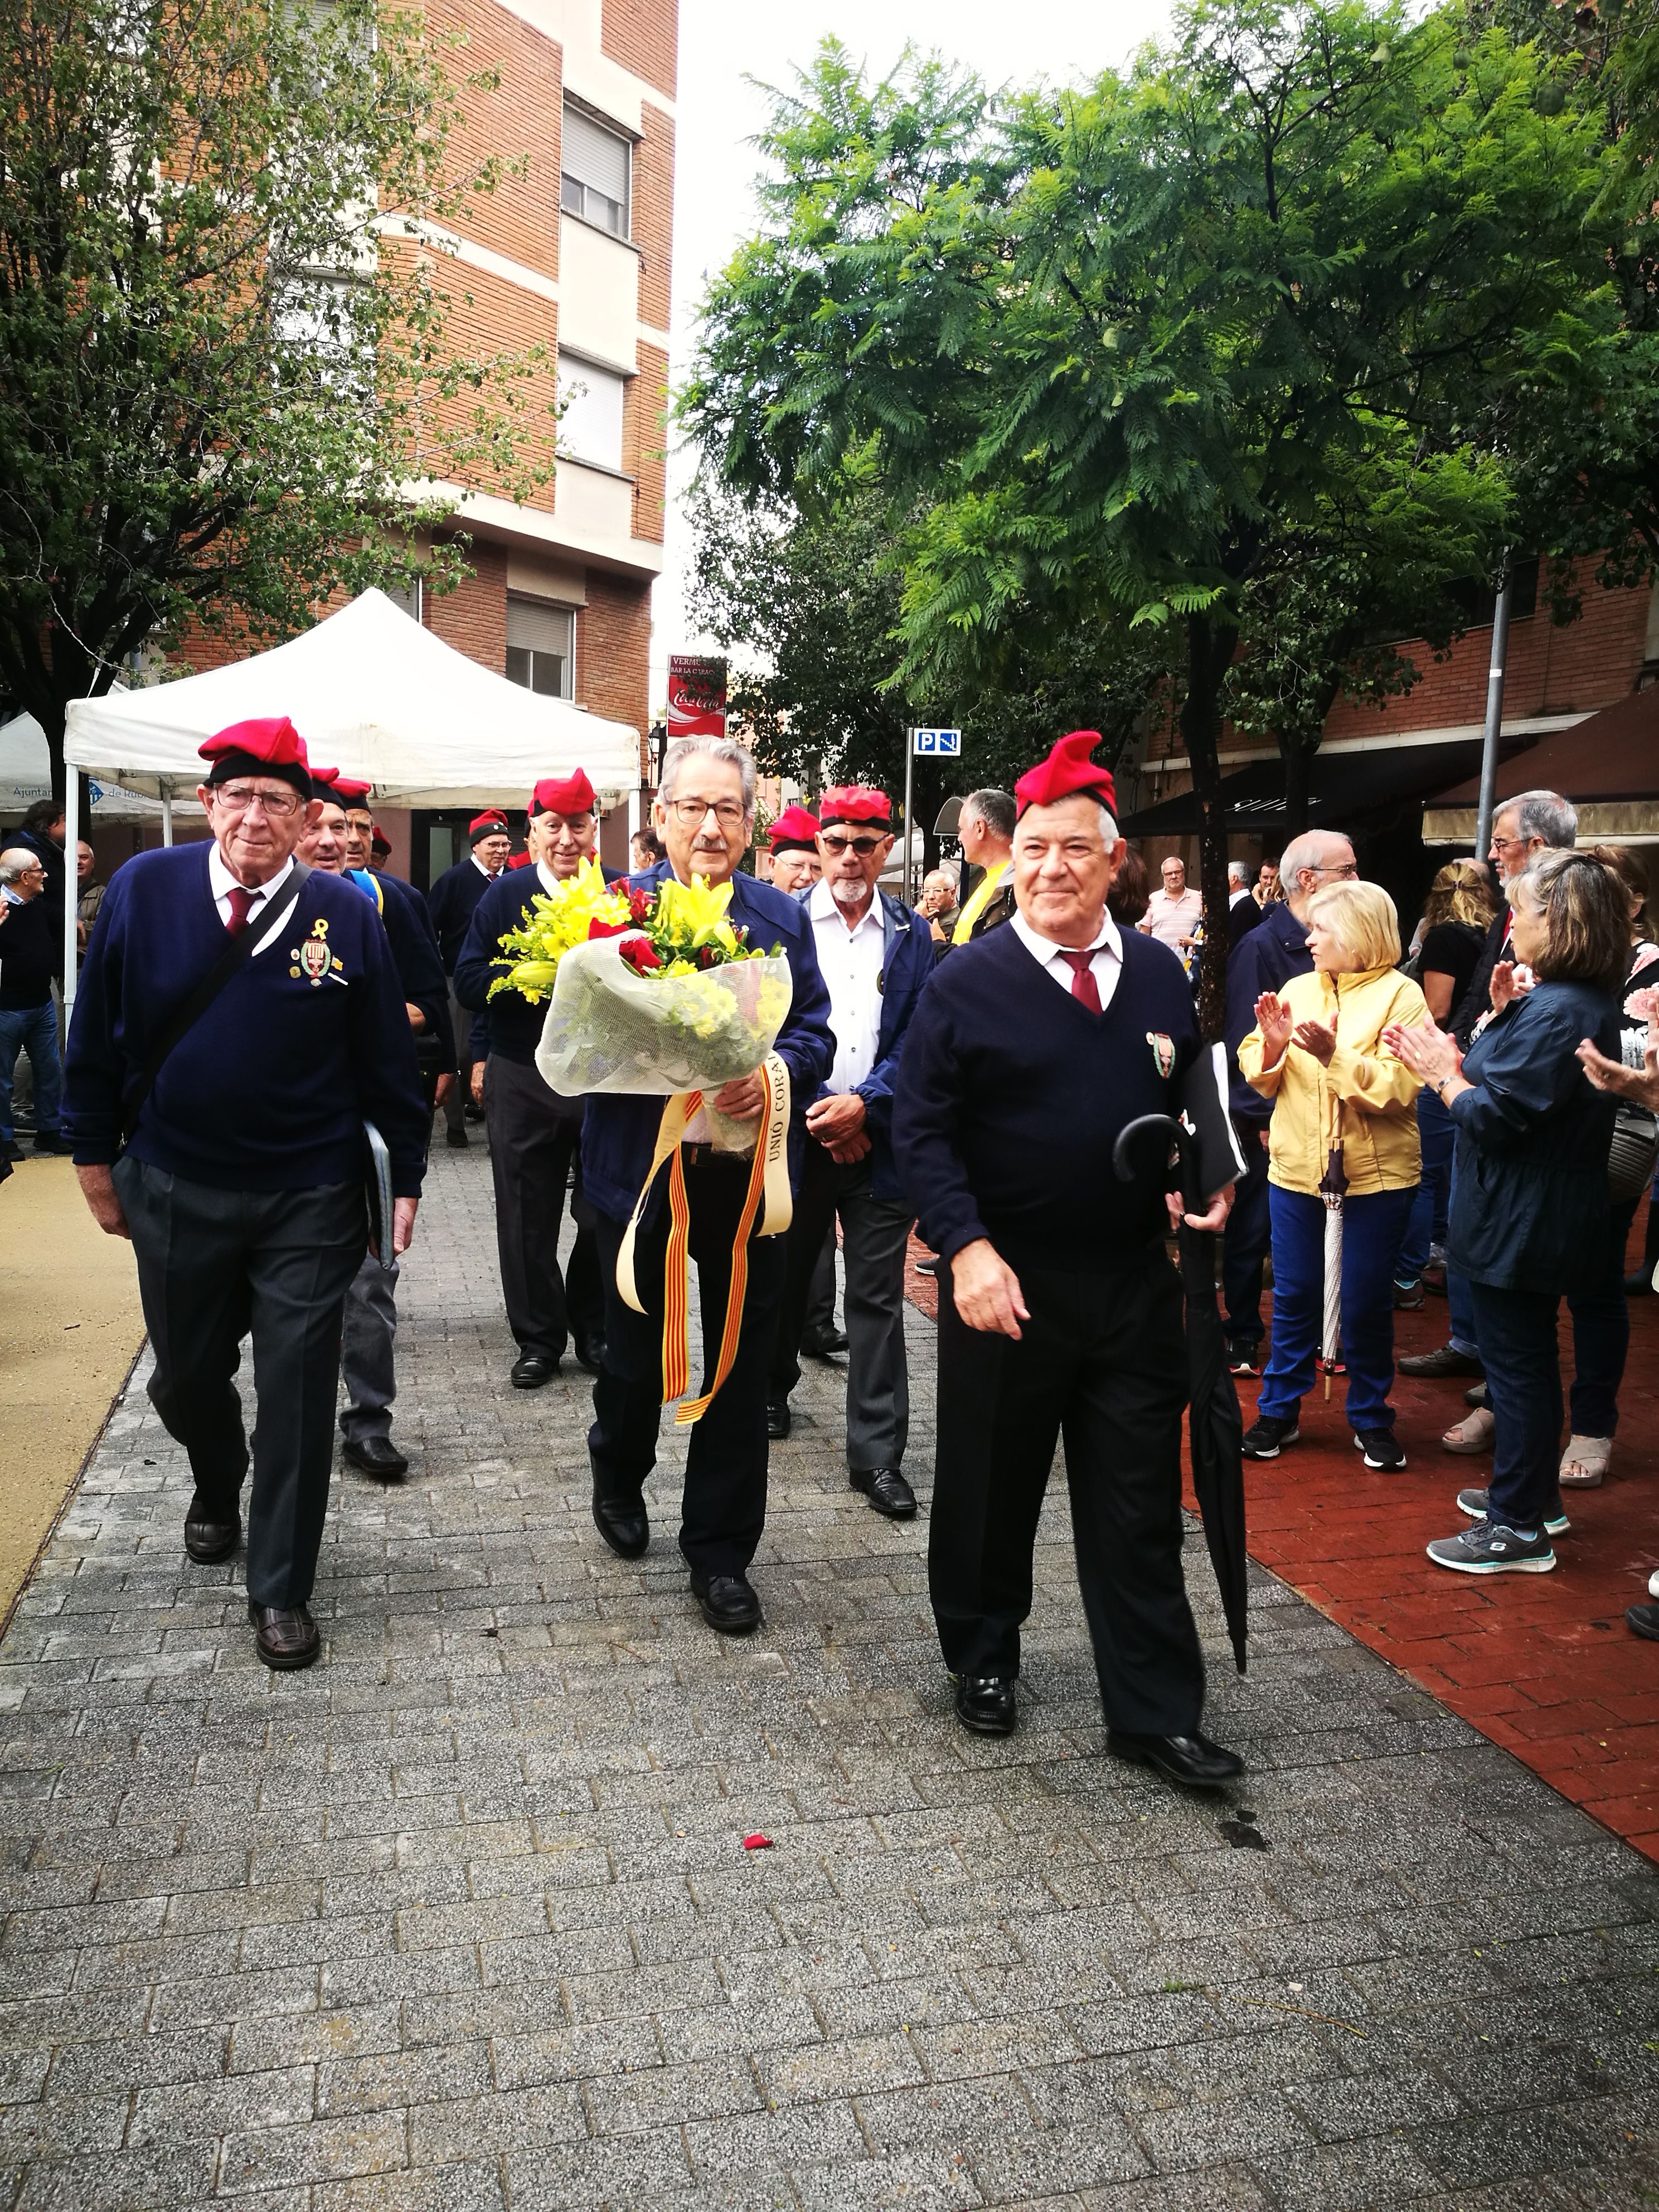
594 157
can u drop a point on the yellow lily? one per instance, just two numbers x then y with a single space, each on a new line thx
696 911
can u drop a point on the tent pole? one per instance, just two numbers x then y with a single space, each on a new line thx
71 841
166 812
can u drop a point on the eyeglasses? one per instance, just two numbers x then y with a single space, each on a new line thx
1343 869
694 812
242 799
862 846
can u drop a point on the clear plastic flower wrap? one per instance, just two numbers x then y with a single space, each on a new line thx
613 1031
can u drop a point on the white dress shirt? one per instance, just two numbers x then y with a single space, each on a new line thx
850 960
489 874
1106 965
221 882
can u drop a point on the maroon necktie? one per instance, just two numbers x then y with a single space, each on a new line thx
1083 986
241 902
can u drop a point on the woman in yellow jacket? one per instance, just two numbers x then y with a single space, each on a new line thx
1340 1094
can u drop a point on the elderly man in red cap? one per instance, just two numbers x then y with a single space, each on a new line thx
875 956
1059 1310
451 902
239 1019
792 842
535 1135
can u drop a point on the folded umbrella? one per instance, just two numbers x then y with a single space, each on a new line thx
1215 1426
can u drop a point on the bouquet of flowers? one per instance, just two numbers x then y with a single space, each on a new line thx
654 992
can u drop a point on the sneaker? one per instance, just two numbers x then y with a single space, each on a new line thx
928 1266
1642 1620
1487 1548
1381 1450
1475 1502
1408 1297
1242 1358
1266 1439
1444 1360
1653 1583
1433 1278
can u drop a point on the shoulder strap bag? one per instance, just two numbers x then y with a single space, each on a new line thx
191 1009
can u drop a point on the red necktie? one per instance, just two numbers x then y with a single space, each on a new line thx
1084 984
241 902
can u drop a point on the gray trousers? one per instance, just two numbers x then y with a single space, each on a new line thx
460 1091
821 1297
214 1265
875 1237
366 1352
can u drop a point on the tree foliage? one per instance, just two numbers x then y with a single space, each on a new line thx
227 368
1132 345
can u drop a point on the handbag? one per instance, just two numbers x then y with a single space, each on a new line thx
1634 1153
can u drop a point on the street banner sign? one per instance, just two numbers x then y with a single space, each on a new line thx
696 695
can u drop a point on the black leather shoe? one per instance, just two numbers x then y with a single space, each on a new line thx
284 1636
377 1455
209 1535
623 1524
1442 1361
471 1113
887 1490
777 1417
985 1703
824 1347
459 1137
590 1353
728 1603
1193 1760
530 1370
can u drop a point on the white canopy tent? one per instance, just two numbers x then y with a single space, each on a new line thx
26 775
373 693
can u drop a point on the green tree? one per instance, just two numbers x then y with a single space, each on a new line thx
809 602
1125 343
225 349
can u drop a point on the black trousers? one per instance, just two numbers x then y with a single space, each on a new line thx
214 1264
724 1508
535 1139
1103 1361
1248 1241
875 1239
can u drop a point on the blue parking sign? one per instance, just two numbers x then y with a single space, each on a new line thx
946 742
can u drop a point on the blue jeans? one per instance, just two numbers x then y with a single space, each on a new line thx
1244 1246
1372 1230
32 1030
1436 1133
1600 1331
1465 1330
1523 1375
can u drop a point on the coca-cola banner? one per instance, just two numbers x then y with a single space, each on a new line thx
696 695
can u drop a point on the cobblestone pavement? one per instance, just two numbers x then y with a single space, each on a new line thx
462 1919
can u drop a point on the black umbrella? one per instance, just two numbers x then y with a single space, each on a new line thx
1214 1422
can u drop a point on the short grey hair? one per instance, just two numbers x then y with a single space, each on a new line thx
1237 874
729 750
996 810
1308 851
1108 828
15 862
1545 815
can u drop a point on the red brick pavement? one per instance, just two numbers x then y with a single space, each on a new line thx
1542 1664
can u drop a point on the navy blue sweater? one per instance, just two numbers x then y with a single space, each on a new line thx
620 1134
1529 1190
269 1089
1011 1096
414 956
506 1024
1264 959
451 902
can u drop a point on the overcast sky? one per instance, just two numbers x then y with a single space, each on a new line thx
724 42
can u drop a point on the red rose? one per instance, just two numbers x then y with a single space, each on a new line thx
598 928
641 955
639 902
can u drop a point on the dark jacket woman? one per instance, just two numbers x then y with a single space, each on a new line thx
1530 1197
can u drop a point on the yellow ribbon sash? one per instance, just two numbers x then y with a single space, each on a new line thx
768 1179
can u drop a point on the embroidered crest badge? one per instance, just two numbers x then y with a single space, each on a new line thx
1163 1052
313 957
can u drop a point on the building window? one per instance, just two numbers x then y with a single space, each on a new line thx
591 426
407 595
595 166
541 642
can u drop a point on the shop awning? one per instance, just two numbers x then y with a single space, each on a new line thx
1608 765
1342 787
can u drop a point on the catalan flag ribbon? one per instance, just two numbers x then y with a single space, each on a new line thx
767 1197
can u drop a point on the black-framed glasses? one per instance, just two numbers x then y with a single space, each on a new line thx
242 799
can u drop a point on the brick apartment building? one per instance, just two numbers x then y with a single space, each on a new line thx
572 253
1379 766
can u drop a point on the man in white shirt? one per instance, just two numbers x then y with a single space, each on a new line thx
1174 912
1238 883
875 957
